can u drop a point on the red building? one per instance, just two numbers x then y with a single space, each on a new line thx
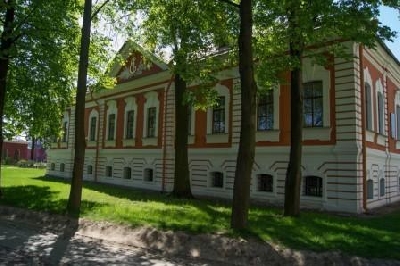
13 151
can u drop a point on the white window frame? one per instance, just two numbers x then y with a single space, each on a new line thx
370 136
93 113
312 72
271 135
379 89
151 101
111 110
130 105
219 137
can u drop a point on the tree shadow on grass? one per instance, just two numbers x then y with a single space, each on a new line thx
39 198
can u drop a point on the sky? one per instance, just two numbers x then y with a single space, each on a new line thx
391 17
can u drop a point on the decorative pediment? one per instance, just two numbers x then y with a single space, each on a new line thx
138 63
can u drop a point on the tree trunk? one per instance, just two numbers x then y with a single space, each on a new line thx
33 149
75 196
182 187
245 158
6 44
293 174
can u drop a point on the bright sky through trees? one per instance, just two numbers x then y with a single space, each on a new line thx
391 18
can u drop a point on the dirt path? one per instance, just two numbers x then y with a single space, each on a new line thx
31 238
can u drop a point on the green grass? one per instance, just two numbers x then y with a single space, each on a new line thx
377 237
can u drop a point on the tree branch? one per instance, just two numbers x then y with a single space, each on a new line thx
98 10
229 2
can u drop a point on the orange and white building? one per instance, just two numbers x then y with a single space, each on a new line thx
351 151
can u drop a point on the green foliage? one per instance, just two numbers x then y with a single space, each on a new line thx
375 236
42 66
322 26
194 34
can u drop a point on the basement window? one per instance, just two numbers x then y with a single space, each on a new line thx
217 179
148 175
127 173
265 182
108 171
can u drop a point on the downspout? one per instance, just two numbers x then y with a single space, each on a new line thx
164 141
363 127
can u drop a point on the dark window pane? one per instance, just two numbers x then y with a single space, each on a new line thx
313 186
219 116
265 182
130 116
313 104
93 123
111 127
265 111
151 122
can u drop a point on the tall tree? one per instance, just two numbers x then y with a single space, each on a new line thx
6 43
75 195
290 30
32 45
245 158
190 29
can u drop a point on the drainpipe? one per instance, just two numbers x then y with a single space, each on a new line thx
164 166
363 127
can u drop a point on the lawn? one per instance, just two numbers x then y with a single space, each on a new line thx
377 237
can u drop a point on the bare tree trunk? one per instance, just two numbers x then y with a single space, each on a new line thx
75 196
245 158
6 44
182 187
293 174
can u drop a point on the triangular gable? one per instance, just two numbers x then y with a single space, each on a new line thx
138 63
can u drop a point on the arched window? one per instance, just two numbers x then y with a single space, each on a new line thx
368 107
370 189
111 122
380 112
313 186
93 119
52 166
265 182
62 167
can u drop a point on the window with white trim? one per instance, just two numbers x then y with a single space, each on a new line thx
380 107
130 118
369 101
368 107
111 120
218 121
265 111
313 108
93 119
151 111
111 127
218 117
